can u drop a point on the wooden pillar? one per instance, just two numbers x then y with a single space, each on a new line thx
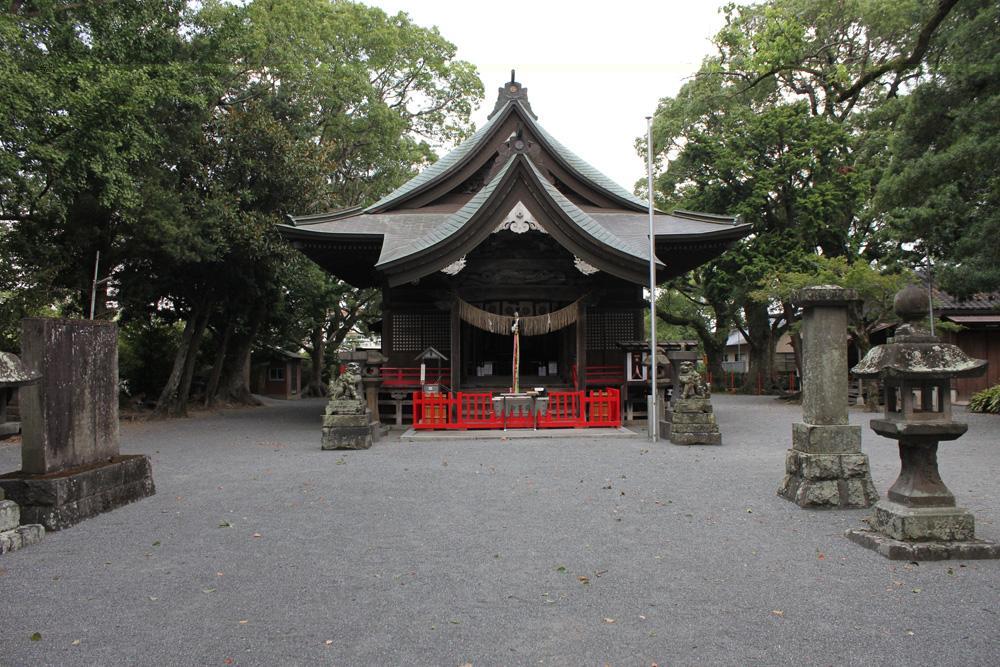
456 349
581 346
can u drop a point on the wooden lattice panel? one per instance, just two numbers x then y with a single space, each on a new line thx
606 329
415 332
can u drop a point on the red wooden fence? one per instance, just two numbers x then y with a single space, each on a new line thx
410 377
566 409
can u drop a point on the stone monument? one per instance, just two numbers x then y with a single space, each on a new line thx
825 466
71 468
692 421
13 535
918 518
347 422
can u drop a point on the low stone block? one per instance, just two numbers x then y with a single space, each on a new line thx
695 438
346 407
791 462
833 439
338 421
10 515
347 437
855 465
822 493
694 428
894 549
861 491
704 418
693 405
819 466
59 500
20 537
941 524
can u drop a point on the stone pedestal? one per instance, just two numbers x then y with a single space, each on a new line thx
347 424
692 422
13 535
825 468
70 465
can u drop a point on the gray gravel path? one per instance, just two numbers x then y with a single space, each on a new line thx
260 549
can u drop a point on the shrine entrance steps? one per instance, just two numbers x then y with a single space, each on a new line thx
524 433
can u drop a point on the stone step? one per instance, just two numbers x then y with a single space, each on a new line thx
23 536
10 515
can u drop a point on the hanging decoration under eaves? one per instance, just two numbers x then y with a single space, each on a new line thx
528 326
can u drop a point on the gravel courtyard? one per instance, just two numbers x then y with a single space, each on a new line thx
261 549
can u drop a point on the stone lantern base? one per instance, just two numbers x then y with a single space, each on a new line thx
900 532
826 469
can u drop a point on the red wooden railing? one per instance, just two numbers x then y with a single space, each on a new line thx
566 409
604 375
410 377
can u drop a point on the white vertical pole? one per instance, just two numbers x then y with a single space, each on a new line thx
93 285
653 401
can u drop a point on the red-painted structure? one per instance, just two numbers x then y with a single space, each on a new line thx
566 409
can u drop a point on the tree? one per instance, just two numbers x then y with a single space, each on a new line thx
772 128
876 288
940 194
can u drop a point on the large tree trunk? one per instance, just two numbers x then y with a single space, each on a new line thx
168 396
235 384
316 354
220 359
761 348
179 408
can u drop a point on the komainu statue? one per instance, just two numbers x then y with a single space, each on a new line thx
345 386
692 384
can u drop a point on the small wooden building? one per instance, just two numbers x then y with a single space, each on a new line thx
979 317
511 221
277 374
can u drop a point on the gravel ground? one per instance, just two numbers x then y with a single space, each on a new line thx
261 549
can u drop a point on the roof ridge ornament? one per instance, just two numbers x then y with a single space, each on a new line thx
519 221
512 91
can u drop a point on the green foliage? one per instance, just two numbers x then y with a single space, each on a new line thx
941 192
987 400
145 353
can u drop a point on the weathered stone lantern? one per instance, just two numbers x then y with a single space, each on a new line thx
13 374
918 520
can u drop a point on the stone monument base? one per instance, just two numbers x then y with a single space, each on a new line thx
348 425
61 499
894 549
13 535
826 468
692 422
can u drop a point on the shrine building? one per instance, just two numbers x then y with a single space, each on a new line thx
510 221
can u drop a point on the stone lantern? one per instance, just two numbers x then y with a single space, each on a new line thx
919 520
13 374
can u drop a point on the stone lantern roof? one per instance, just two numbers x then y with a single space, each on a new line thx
913 353
13 372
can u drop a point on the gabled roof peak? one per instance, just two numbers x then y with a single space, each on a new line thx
512 91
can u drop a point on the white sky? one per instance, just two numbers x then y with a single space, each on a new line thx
593 75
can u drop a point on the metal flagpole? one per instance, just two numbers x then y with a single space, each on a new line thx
652 407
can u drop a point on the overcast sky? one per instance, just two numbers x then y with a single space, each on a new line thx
593 75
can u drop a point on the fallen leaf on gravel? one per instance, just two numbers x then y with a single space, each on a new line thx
328 642
909 632
609 621
820 557
641 617
75 642
256 535
584 579
454 622
244 621
153 598
156 543
225 524
227 661
561 568
219 574
208 590
466 664
917 590
600 572
36 637
777 612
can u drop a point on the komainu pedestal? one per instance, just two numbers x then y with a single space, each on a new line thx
347 425
692 422
825 468
347 421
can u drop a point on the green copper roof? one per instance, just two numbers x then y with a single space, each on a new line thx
584 169
452 224
584 221
441 167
